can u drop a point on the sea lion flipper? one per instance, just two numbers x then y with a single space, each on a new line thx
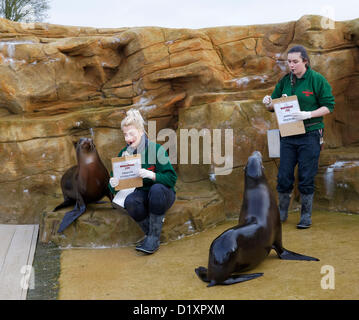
71 216
290 255
236 279
241 278
202 273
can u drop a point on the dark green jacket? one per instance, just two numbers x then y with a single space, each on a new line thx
154 158
313 91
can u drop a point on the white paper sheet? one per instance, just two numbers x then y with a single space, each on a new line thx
285 110
120 196
126 169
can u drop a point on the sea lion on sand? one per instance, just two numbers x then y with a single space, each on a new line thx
84 183
259 230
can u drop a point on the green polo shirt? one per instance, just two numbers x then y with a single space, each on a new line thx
313 91
154 158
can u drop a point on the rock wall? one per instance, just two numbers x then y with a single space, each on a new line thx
60 83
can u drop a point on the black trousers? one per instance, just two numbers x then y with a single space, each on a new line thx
304 150
157 200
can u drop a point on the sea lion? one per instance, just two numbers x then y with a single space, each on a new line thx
84 183
259 230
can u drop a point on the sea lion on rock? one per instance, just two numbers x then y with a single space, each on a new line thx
84 183
259 230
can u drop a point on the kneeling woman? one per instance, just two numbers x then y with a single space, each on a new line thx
148 204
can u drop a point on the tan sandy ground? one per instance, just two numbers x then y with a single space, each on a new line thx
122 273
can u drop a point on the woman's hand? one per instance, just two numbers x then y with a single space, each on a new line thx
114 182
143 173
301 115
267 101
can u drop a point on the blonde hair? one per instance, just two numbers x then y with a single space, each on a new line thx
134 118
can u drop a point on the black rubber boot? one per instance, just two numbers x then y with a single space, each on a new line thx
152 241
306 211
145 226
284 201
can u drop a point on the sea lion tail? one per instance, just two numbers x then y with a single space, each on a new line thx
290 255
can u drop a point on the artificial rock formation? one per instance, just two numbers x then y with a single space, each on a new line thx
60 83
